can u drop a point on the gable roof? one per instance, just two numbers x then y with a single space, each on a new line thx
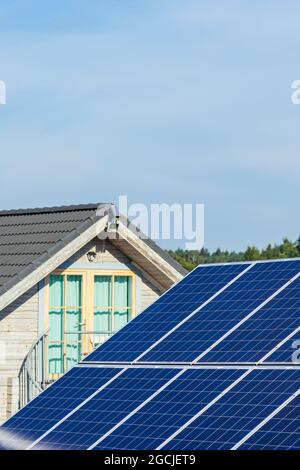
31 237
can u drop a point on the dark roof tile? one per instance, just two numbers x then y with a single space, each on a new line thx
29 237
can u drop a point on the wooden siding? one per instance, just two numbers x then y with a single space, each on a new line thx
105 253
134 255
18 331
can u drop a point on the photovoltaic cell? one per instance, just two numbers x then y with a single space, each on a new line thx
282 432
239 411
56 402
289 352
107 408
224 312
165 313
173 407
262 332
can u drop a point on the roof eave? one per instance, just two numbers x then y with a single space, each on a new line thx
148 253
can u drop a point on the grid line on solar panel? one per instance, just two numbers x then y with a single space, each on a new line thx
260 333
288 351
223 313
280 433
164 314
263 423
163 415
193 313
237 412
80 405
108 408
54 403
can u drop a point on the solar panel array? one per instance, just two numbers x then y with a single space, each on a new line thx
210 365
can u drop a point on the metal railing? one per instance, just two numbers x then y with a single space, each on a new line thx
34 376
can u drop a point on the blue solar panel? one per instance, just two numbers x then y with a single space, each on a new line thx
147 407
173 407
165 313
112 404
289 351
239 411
223 313
282 432
262 332
56 402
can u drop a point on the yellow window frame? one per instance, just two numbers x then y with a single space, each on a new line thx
87 309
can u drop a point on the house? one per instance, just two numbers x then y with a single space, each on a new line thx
69 278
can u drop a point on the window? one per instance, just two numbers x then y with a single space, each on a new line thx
83 309
112 305
65 316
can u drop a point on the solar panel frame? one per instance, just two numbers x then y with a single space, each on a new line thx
180 370
183 370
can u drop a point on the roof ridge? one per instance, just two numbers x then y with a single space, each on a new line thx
54 209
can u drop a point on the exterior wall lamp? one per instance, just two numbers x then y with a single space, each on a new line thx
91 256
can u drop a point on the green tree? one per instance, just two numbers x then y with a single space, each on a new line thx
252 254
190 259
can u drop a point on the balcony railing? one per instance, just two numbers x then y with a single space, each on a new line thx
32 379
34 376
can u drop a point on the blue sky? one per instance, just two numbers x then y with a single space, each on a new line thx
164 101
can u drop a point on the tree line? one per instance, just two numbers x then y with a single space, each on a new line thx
190 259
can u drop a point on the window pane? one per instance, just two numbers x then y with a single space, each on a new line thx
121 318
102 315
56 295
102 325
56 319
72 337
103 291
122 301
73 320
106 320
74 290
55 350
